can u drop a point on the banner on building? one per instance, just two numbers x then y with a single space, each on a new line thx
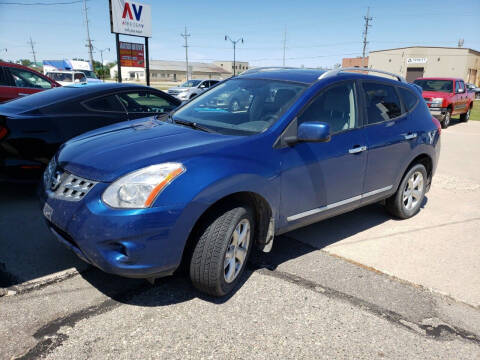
132 54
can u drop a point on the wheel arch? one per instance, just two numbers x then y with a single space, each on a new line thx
262 212
424 159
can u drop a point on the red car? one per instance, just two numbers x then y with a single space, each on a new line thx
446 97
18 80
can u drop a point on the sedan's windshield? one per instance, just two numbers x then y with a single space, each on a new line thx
241 106
445 86
190 83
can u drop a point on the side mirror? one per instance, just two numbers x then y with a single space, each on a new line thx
313 131
461 91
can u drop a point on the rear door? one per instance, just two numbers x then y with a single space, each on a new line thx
27 82
144 103
390 131
462 97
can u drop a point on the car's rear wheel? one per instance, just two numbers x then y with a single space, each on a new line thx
446 119
408 199
465 117
222 251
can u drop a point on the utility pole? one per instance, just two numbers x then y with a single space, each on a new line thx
89 41
234 49
185 35
365 33
284 44
101 57
33 50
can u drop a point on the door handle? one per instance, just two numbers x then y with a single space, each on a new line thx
357 149
23 94
410 136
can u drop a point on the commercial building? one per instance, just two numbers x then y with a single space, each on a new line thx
423 61
240 66
355 62
164 70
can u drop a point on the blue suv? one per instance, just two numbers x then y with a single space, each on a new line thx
255 156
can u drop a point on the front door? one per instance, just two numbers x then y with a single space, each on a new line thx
320 177
27 82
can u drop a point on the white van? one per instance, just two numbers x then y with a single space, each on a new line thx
67 77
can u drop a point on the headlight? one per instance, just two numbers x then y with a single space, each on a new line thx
436 102
140 188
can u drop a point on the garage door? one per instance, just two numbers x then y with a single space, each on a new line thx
414 73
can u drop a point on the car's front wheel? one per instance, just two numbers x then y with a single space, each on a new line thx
446 119
222 251
408 199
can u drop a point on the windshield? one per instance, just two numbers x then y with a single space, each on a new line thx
241 106
65 77
190 83
89 74
445 86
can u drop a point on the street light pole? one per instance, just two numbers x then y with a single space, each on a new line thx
234 42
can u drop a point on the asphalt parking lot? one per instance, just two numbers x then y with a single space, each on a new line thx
361 285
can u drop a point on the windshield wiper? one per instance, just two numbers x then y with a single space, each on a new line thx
192 125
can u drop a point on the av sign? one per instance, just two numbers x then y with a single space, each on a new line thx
416 60
130 18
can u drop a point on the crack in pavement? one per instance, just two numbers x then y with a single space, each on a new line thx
440 331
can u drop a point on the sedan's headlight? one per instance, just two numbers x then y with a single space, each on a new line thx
140 188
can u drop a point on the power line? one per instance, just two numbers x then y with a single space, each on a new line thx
365 33
89 41
42 3
185 35
32 45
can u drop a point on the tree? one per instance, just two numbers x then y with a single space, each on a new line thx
25 62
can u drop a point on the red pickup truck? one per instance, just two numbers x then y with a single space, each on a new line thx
446 97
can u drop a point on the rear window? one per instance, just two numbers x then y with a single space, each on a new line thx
409 98
40 99
382 102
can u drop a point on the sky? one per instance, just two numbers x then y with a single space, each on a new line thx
318 33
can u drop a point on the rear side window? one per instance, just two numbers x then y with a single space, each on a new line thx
144 101
105 103
382 102
409 98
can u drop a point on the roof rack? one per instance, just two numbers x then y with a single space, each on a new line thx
335 72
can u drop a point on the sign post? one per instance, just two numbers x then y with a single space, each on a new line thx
135 19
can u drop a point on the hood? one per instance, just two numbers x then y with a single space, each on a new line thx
435 94
110 152
179 88
94 80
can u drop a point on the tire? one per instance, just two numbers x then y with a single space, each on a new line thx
446 120
215 265
404 203
465 117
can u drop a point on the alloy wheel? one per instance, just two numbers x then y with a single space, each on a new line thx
413 191
237 249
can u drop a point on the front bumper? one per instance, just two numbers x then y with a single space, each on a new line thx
439 113
128 242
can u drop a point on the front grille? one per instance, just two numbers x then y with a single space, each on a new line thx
64 185
173 92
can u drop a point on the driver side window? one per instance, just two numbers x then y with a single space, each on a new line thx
144 101
334 106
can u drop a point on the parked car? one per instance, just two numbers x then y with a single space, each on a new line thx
18 80
204 184
446 97
67 77
475 89
191 88
33 128
91 77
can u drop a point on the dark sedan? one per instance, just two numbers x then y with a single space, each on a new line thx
33 128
